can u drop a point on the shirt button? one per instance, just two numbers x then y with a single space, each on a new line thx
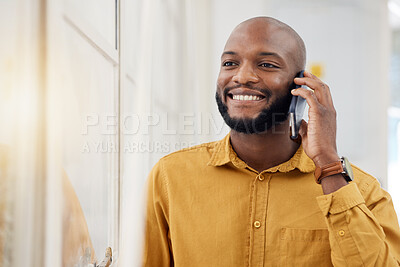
341 232
260 177
257 224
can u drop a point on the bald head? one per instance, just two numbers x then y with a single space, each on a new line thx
267 28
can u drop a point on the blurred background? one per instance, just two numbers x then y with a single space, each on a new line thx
94 92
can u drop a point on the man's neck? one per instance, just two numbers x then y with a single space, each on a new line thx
265 150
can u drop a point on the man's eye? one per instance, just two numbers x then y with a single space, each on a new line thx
267 65
229 64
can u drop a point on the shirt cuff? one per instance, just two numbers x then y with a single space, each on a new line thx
341 200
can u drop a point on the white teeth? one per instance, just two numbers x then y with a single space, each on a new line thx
246 97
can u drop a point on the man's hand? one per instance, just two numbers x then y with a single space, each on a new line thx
319 134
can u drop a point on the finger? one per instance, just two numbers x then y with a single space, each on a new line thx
308 74
308 95
321 89
321 93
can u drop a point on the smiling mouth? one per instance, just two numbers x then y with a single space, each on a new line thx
245 97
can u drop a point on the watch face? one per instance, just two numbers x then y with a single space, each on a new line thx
347 167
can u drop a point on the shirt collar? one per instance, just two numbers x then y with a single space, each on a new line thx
223 153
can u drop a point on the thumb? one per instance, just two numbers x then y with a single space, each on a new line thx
303 129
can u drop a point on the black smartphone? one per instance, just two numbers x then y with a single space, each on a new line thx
296 111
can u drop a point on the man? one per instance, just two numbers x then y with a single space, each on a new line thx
257 198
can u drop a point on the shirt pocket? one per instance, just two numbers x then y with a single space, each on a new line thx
305 247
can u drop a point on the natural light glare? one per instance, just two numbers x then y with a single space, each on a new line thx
394 7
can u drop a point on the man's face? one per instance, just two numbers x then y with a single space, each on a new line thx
256 74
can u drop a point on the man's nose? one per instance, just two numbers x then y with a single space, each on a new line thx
245 74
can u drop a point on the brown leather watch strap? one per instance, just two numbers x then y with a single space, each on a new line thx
328 170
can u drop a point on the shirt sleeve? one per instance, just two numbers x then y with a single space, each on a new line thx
157 241
363 229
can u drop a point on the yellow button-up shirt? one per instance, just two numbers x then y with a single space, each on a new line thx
206 207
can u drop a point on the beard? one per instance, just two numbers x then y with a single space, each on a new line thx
275 114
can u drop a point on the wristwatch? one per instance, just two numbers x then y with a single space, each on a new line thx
342 167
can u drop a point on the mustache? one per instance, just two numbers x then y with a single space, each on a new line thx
264 91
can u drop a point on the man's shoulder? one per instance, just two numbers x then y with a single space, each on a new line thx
198 155
365 181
